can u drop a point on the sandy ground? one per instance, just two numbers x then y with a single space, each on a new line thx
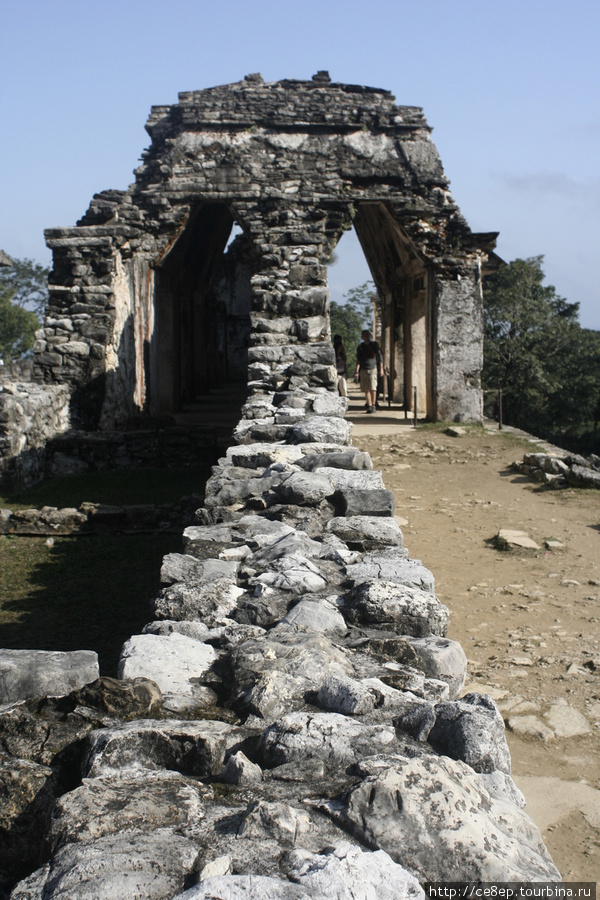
529 621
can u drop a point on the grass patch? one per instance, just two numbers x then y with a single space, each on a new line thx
87 592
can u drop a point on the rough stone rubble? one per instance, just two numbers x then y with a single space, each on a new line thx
566 470
290 724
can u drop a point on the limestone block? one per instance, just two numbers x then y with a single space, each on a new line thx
304 488
177 663
257 456
209 604
472 729
295 574
392 565
134 748
244 887
124 802
152 865
336 740
366 532
365 503
350 871
44 673
353 697
350 480
442 658
181 567
345 459
328 404
410 808
316 616
323 429
403 607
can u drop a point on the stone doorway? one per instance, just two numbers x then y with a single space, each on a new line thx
202 314
404 313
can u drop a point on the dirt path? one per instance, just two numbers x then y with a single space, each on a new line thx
528 621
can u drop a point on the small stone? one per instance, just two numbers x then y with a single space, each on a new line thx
507 539
530 726
567 721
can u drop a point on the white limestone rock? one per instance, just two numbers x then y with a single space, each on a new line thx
191 747
322 429
335 740
26 674
176 663
305 488
260 456
346 871
394 566
404 608
244 887
353 697
443 659
351 479
151 865
328 404
182 567
316 616
124 802
209 603
434 816
297 575
367 532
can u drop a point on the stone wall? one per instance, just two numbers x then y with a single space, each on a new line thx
30 415
289 724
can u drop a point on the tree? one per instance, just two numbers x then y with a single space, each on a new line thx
534 349
351 316
26 284
23 295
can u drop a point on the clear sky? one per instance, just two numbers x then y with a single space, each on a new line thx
511 88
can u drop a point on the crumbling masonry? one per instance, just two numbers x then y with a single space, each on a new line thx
148 311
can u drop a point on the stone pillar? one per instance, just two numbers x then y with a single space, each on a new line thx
458 303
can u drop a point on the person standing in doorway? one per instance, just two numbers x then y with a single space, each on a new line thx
369 365
340 364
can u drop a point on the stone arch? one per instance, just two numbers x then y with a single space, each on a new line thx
406 325
294 162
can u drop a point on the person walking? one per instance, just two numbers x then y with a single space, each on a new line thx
369 365
340 365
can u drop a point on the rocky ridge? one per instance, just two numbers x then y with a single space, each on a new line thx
289 725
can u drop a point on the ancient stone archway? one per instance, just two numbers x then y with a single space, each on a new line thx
144 306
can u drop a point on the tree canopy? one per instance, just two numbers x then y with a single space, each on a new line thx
23 297
535 349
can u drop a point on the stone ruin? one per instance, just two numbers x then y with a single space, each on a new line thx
291 724
151 307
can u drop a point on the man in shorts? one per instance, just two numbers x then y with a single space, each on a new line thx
369 364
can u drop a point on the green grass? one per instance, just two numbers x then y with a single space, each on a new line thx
87 592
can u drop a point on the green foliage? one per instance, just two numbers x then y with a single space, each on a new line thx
534 348
25 284
17 330
351 316
23 296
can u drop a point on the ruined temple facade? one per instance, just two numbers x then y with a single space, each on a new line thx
153 303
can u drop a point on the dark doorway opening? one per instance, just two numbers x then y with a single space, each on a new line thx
202 327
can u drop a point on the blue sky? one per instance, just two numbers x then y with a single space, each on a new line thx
511 88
